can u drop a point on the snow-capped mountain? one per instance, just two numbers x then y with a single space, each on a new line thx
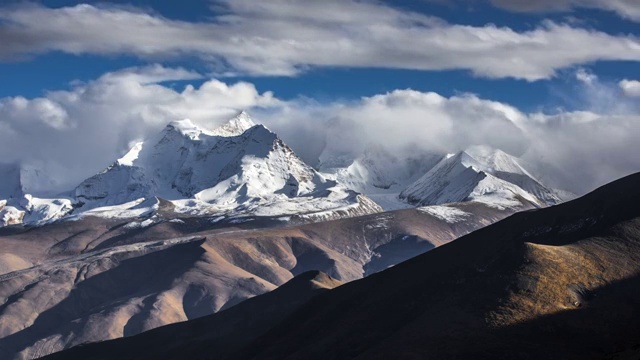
480 174
238 168
17 207
242 169
378 173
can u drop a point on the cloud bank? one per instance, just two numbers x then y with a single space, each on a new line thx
285 37
629 9
72 134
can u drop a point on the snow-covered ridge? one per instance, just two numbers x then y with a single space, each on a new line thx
242 168
17 207
236 126
238 168
377 172
479 174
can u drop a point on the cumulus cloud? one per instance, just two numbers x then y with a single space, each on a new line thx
630 87
403 122
599 96
629 9
77 132
576 151
35 112
72 134
286 37
582 150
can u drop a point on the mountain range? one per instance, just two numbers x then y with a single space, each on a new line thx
243 169
554 283
192 222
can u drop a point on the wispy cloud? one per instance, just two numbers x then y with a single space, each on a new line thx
286 37
586 77
629 9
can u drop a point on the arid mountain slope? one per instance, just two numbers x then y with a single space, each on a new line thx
219 334
96 279
555 283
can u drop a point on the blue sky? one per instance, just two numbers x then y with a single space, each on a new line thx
33 75
446 74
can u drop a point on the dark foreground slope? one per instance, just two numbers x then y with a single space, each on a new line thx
556 283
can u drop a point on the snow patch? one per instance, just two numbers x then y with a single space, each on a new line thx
133 209
139 224
131 156
217 219
447 213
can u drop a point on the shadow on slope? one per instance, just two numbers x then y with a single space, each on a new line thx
140 276
214 336
508 291
557 283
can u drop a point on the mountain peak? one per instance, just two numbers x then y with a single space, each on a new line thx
496 160
238 168
236 126
185 127
131 155
480 173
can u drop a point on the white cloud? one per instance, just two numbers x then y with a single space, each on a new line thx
577 151
629 9
586 77
580 151
285 37
30 112
75 133
630 87
149 74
